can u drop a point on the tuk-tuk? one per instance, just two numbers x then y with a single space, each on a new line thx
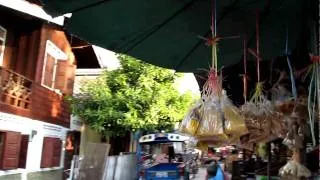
160 157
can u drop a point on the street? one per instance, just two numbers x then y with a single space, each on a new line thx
201 174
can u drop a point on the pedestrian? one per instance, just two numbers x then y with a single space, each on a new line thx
187 162
214 172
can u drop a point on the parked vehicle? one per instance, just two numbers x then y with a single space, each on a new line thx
161 157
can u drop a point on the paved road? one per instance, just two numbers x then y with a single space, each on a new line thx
201 174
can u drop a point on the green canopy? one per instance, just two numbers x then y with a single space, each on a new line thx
166 32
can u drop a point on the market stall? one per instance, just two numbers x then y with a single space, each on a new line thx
264 99
278 113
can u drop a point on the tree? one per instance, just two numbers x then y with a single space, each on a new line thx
137 96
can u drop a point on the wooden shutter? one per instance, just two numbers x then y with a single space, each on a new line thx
51 152
71 75
23 151
57 146
47 150
11 150
65 77
48 71
60 81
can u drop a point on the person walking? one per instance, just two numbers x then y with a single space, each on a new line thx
187 161
214 172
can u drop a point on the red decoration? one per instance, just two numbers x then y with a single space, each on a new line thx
314 58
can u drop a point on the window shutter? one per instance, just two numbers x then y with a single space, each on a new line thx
65 77
72 72
11 150
47 150
48 72
51 152
60 81
56 153
3 34
23 151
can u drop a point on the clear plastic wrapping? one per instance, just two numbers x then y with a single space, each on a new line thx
297 126
190 123
263 121
294 171
215 120
211 123
237 126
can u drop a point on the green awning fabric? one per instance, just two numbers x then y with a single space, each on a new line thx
165 32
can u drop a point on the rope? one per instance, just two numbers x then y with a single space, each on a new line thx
214 33
258 93
245 84
80 47
229 8
258 45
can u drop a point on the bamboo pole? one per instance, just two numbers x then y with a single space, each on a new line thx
318 85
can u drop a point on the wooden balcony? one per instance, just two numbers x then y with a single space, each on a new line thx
21 96
15 89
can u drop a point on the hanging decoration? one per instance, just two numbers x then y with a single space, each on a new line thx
304 112
263 121
214 119
296 117
293 170
312 96
296 126
191 122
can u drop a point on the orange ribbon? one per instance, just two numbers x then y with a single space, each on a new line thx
211 41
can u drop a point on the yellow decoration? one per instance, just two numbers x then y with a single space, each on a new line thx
192 126
237 125
202 146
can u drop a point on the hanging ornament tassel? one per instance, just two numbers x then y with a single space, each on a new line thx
293 83
257 96
212 86
312 101
244 76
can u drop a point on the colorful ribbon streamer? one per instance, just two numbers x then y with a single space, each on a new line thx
293 83
312 102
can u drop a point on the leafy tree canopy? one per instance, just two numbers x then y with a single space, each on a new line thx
137 96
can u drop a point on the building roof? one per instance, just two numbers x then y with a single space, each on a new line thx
32 7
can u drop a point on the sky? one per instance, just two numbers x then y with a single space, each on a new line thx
108 59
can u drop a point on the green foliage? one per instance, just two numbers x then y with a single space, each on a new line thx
137 96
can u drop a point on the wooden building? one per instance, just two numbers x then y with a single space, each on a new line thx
37 68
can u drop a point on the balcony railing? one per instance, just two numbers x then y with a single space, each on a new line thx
24 97
15 89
